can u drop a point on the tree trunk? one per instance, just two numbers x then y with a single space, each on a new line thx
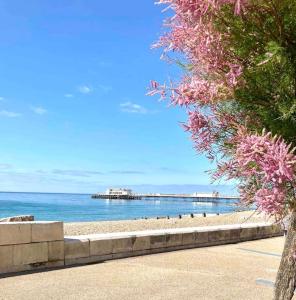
286 277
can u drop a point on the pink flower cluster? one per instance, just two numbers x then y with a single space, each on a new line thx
214 69
201 129
271 156
267 167
206 126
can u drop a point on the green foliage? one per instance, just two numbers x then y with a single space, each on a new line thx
264 40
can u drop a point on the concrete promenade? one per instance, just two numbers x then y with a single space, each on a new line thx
236 271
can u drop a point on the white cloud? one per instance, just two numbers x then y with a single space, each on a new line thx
38 110
78 173
127 172
5 166
9 114
69 95
134 108
85 89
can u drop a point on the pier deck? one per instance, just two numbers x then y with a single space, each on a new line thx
189 196
195 197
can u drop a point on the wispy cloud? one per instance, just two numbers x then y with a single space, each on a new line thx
87 173
133 108
127 172
85 89
105 88
5 166
69 95
166 169
31 181
38 110
76 173
9 114
172 170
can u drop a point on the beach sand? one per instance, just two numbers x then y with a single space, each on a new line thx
79 228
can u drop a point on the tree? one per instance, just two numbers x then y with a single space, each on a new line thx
239 88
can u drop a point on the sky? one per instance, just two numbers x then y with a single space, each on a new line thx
74 115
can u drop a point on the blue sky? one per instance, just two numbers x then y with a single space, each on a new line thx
73 112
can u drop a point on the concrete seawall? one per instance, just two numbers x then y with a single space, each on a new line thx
40 245
28 246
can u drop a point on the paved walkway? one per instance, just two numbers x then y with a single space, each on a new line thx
239 271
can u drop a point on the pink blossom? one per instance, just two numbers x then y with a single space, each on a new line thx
264 165
201 129
214 70
271 201
267 167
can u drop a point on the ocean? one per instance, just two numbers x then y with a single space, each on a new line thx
80 207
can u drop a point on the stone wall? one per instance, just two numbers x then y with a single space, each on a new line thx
100 247
31 245
39 245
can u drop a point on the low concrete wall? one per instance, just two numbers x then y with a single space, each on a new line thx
39 245
31 245
100 247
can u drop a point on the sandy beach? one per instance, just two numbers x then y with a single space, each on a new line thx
79 228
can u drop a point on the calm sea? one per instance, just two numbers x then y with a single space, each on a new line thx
78 207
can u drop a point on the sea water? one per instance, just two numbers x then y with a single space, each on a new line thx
81 207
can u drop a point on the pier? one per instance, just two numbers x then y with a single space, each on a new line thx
121 197
117 193
189 196
215 197
205 198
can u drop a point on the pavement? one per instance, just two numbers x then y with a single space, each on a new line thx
238 271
